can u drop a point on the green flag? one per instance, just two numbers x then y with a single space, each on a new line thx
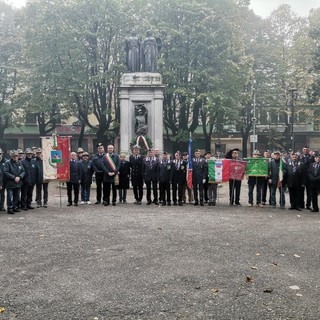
257 167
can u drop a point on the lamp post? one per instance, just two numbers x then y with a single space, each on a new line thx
293 97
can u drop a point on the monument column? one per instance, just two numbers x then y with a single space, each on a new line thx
141 92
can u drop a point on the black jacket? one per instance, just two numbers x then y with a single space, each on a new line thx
86 171
30 168
75 171
13 169
150 169
136 170
164 171
179 171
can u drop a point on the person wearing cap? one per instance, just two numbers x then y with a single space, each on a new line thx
178 178
98 171
3 160
307 159
74 180
265 185
80 152
124 178
295 179
314 179
234 185
86 178
254 181
29 180
164 178
111 165
34 152
13 173
136 160
273 180
41 184
150 176
21 154
199 175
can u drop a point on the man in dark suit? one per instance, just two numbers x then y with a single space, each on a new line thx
150 176
97 168
136 174
314 180
307 160
295 180
164 178
110 166
199 175
74 180
178 178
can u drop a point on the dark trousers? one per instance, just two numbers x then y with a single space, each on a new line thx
196 188
13 197
26 195
99 183
295 195
122 195
108 186
212 192
205 191
177 187
138 192
154 189
314 198
2 197
255 182
274 188
75 188
307 188
234 191
85 191
165 191
39 188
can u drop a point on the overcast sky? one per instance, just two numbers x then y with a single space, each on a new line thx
301 7
260 7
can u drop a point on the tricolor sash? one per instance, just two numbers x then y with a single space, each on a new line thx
113 167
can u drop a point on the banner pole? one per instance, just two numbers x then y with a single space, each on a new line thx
60 194
232 195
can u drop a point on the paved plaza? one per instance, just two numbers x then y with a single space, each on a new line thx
150 262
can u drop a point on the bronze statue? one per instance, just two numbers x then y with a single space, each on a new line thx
150 47
133 52
141 120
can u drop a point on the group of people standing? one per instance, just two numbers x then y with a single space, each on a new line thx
18 176
166 179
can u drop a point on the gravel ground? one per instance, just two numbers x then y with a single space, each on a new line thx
150 262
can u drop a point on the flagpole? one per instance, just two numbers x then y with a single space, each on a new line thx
60 194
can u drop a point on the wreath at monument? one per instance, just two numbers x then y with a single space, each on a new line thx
144 142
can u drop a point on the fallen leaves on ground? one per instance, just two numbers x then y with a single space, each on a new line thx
254 268
294 287
298 294
215 290
249 279
296 256
2 309
274 264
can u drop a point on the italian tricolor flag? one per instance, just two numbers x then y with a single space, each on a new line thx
219 170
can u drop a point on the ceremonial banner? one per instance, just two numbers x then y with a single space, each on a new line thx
257 167
237 169
219 170
63 168
280 176
55 155
190 165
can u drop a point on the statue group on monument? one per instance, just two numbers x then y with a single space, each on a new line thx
141 120
142 55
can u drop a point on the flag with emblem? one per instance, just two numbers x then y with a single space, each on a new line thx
219 170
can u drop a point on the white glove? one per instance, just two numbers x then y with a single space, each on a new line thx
204 181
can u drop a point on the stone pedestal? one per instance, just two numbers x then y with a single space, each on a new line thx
141 88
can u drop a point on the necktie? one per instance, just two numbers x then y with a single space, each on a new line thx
294 169
315 168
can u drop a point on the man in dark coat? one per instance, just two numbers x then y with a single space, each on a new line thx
164 176
295 180
136 174
86 178
3 160
13 173
178 178
74 181
41 185
29 180
110 166
314 180
274 174
199 175
97 167
124 177
234 185
307 159
150 176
